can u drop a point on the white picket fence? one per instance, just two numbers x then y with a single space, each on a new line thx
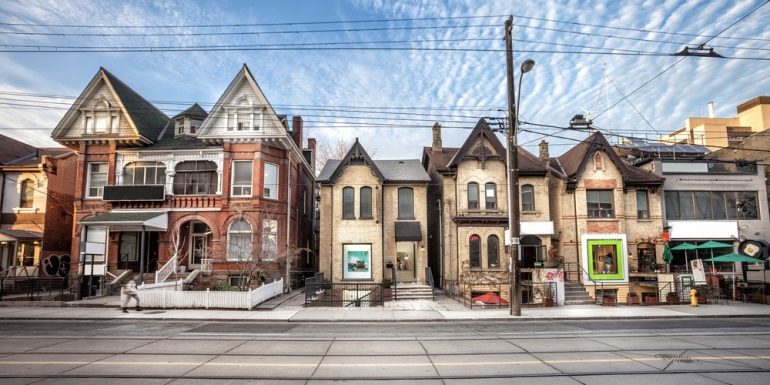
160 298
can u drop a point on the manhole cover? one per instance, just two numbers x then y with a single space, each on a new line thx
153 312
676 358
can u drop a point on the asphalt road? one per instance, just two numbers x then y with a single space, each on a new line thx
687 351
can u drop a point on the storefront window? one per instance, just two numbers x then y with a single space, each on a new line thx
605 259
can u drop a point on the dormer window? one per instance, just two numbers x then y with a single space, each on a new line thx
101 118
244 117
180 126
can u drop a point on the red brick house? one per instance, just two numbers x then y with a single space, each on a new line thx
213 189
36 193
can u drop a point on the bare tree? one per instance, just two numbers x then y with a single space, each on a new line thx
253 262
335 150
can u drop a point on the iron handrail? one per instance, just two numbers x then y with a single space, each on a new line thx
429 281
582 272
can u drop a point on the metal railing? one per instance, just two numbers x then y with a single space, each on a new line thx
342 294
429 282
36 288
394 283
573 273
532 294
164 272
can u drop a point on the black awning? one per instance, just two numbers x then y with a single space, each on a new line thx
408 231
134 193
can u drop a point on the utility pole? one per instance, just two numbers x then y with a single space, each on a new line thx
513 180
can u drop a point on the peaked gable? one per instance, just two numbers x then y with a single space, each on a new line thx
576 159
356 155
482 133
131 116
242 112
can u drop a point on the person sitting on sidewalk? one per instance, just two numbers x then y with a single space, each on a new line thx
128 292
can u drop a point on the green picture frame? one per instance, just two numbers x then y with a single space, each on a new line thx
617 273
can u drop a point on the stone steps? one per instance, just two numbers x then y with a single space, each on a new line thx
575 294
413 291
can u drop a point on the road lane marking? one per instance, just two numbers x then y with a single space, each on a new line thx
397 364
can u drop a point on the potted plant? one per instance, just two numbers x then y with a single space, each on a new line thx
651 300
632 298
672 298
608 300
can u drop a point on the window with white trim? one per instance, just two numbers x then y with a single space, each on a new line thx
101 118
195 177
239 241
270 185
269 239
97 179
144 173
244 117
27 194
241 184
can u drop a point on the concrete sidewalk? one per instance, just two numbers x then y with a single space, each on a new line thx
288 308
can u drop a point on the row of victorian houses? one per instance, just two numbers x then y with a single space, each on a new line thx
137 190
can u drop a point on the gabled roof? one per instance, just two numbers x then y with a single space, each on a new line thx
482 131
574 161
194 111
272 119
143 116
356 155
14 150
399 170
448 158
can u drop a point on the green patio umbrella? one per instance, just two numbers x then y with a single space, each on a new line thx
684 246
667 257
711 245
732 257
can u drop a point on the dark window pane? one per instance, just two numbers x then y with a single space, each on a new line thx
493 249
702 204
718 205
490 196
686 206
747 205
366 202
405 203
600 204
672 205
473 195
348 203
474 250
527 198
642 211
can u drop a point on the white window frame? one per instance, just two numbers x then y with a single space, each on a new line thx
268 192
255 116
89 180
241 190
231 232
269 252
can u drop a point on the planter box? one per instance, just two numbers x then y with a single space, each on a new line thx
630 301
672 299
651 300
608 301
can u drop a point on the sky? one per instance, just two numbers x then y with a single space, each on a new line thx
444 61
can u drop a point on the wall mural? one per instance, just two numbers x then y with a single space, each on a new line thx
56 266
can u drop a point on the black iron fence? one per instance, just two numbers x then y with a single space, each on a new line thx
343 294
494 295
36 289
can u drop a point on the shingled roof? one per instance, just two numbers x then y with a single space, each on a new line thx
194 111
404 170
149 120
448 158
575 160
13 150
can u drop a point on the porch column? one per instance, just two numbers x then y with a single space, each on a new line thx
142 250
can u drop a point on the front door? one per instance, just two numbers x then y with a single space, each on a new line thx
129 251
406 259
200 235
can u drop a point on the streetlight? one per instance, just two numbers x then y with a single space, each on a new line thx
512 162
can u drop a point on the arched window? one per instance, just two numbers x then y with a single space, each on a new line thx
474 250
473 196
531 251
527 198
405 203
493 252
348 203
27 193
365 203
239 241
196 177
490 196
144 173
598 161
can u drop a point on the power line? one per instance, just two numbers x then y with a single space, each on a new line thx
246 33
252 24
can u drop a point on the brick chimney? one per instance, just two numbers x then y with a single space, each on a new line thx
436 147
311 143
309 153
544 155
296 130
